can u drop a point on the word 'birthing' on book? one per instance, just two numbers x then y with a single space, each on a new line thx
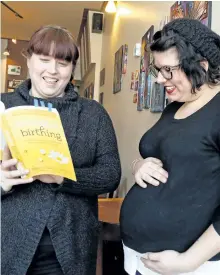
36 138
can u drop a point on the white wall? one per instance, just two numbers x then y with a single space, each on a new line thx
129 124
215 25
4 44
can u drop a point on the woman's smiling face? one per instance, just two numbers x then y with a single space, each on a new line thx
178 88
49 76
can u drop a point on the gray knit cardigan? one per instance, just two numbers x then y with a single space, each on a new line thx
69 210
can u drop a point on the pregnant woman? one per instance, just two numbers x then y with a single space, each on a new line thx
173 225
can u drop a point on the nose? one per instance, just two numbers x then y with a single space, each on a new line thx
161 79
52 67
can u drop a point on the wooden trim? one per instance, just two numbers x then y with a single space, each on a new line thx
83 23
90 68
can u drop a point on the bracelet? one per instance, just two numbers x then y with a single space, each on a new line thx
134 162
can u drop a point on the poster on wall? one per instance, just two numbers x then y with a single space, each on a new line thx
144 89
200 10
118 70
102 77
134 80
14 70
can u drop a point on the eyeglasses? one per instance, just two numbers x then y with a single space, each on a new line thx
166 71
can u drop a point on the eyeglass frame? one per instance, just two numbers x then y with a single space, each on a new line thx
172 68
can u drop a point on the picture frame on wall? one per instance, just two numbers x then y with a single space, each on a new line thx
144 89
89 91
101 98
157 98
117 80
102 77
200 10
14 70
12 84
10 90
97 23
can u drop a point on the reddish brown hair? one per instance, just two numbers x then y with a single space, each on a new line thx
55 38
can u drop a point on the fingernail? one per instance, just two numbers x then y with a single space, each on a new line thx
26 171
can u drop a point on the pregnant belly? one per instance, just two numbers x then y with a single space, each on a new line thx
153 219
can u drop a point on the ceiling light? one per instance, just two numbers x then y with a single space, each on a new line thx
6 52
14 40
111 7
124 11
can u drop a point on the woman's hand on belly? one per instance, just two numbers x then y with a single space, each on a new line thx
150 171
168 262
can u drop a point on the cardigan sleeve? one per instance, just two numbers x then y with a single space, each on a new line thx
6 193
104 176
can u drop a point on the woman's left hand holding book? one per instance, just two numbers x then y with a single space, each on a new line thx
10 175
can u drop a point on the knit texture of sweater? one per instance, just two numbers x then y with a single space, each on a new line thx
69 210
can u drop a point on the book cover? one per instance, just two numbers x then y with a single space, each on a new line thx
37 140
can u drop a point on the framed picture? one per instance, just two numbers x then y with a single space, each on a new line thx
118 70
157 98
14 70
10 90
125 59
135 98
14 83
97 22
143 90
89 91
102 77
101 98
200 10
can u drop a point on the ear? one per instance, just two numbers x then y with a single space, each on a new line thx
205 64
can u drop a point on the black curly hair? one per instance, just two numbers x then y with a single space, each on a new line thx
194 43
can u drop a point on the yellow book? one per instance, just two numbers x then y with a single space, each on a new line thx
36 138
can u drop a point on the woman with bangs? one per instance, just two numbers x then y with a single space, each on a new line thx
170 219
49 224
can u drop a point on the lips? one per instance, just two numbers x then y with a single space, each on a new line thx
50 80
170 89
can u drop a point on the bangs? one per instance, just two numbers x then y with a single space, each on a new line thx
54 42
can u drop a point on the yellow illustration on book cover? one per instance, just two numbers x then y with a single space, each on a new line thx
37 140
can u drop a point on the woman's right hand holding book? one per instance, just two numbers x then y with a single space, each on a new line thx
10 175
